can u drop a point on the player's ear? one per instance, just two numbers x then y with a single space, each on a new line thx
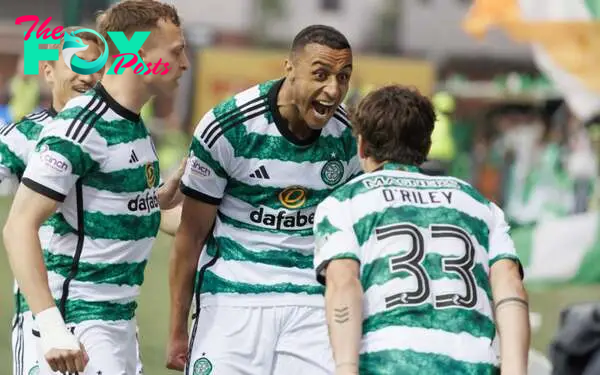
289 68
143 55
48 71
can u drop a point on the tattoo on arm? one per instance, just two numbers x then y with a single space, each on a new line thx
341 315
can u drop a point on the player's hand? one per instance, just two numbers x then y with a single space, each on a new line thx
177 352
168 194
67 361
61 349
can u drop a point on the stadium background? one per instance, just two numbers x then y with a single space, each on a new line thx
517 115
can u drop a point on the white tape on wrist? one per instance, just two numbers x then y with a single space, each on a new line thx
54 333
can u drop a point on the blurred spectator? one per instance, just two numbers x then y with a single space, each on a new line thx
5 116
582 164
24 92
443 151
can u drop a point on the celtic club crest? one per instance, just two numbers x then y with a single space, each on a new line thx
202 367
332 172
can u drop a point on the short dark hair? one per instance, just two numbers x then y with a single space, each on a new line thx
320 34
395 123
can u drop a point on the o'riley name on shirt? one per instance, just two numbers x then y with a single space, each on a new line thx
416 196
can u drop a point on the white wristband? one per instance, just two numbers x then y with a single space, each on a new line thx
54 333
50 320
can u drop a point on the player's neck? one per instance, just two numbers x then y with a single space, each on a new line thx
127 90
370 165
58 104
287 109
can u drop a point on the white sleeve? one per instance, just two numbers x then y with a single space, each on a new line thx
501 244
334 235
205 176
13 148
56 164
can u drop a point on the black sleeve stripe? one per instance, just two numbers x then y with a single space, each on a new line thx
45 191
233 117
232 113
98 115
80 114
343 120
38 116
342 110
9 128
87 119
189 192
232 124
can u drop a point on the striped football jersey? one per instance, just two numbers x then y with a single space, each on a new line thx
425 247
267 184
17 142
98 160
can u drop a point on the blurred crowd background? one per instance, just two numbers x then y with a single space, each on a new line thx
515 82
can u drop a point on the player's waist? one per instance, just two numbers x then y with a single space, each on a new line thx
280 272
249 284
261 300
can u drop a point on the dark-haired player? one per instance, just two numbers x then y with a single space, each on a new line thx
259 164
420 271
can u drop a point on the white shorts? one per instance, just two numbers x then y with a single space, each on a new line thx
111 346
287 340
24 345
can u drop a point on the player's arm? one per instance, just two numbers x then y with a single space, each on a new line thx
337 266
343 302
511 306
203 184
52 172
29 210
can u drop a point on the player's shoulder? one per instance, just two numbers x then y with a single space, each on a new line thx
79 105
77 119
350 189
465 187
28 126
245 106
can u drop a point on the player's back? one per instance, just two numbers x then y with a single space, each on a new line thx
424 259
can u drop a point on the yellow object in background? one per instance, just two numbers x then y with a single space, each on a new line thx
442 140
223 72
25 96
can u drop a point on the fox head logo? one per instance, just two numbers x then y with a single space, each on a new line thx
73 45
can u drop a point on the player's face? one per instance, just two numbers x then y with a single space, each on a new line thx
167 46
319 77
67 84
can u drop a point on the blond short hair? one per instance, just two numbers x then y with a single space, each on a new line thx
130 16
